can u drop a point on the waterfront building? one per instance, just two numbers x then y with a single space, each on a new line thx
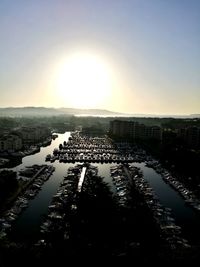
134 130
10 142
31 135
191 136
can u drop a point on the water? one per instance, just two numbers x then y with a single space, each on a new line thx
184 216
27 225
104 171
39 158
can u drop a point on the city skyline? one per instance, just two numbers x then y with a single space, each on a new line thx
123 56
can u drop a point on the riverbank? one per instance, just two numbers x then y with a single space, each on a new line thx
11 159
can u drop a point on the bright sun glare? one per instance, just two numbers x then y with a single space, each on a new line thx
85 80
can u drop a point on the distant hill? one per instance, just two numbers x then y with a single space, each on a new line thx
42 111
195 115
92 112
27 111
190 116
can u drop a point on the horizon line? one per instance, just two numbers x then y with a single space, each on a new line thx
122 113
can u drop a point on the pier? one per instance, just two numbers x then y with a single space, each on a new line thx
81 180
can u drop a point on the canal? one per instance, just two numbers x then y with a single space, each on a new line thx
28 223
184 215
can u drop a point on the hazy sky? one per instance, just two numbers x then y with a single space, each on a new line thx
150 50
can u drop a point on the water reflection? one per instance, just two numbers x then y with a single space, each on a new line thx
28 223
185 216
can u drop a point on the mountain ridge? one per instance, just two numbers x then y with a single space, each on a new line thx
40 111
50 111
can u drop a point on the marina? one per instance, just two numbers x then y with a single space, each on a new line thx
173 216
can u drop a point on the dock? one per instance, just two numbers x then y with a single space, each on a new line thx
81 180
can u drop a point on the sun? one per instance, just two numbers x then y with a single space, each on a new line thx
84 80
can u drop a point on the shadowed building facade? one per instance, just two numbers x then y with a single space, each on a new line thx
134 130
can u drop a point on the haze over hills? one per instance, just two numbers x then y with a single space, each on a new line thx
43 111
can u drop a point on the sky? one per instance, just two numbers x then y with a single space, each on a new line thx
132 56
